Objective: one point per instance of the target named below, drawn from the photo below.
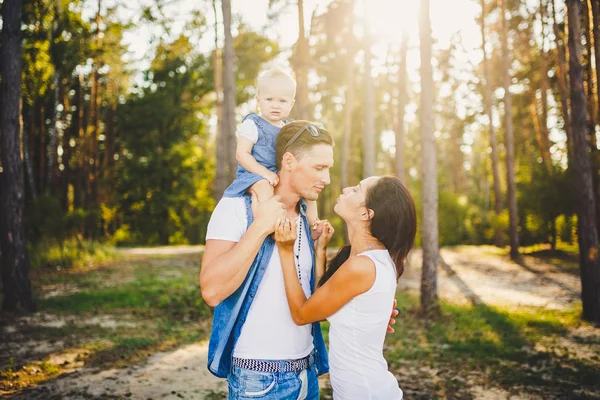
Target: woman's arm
(354, 277)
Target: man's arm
(225, 264)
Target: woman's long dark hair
(394, 223)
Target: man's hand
(266, 213)
(395, 312)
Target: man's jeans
(247, 384)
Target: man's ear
(288, 162)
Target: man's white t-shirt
(269, 332)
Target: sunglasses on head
(310, 128)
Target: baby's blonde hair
(274, 74)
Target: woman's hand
(285, 233)
(325, 237)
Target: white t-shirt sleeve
(228, 221)
(248, 130)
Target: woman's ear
(368, 214)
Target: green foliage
(47, 220)
(542, 200)
(72, 252)
(162, 185)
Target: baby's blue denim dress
(263, 152)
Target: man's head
(275, 95)
(304, 157)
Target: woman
(358, 289)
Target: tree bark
(402, 100)
(228, 95)
(302, 105)
(492, 130)
(429, 224)
(586, 212)
(509, 142)
(15, 264)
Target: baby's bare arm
(243, 154)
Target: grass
(156, 306)
(520, 350)
(517, 349)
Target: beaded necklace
(299, 248)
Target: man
(254, 342)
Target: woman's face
(351, 203)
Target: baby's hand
(272, 177)
(326, 232)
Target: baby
(256, 138)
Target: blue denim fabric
(263, 152)
(229, 316)
(244, 384)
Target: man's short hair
(303, 143)
(274, 74)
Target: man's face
(310, 174)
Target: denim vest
(263, 150)
(230, 315)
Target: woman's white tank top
(356, 335)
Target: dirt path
(471, 275)
(477, 274)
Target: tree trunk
(595, 6)
(369, 107)
(562, 80)
(586, 211)
(15, 265)
(540, 134)
(221, 173)
(51, 149)
(543, 116)
(589, 76)
(27, 124)
(52, 135)
(402, 100)
(78, 187)
(493, 139)
(509, 142)
(228, 95)
(348, 108)
(302, 105)
(429, 224)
